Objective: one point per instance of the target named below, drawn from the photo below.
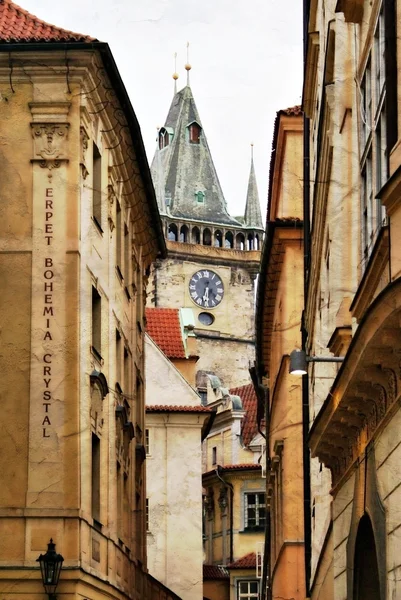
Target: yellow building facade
(234, 495)
(278, 332)
(79, 229)
(351, 101)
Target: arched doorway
(366, 570)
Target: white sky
(246, 58)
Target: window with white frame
(373, 138)
(247, 589)
(255, 510)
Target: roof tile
(245, 562)
(238, 467)
(163, 326)
(176, 408)
(215, 572)
(18, 25)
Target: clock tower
(213, 258)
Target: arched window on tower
(229, 241)
(164, 138)
(249, 242)
(194, 132)
(184, 231)
(240, 241)
(257, 245)
(207, 237)
(172, 235)
(218, 239)
(195, 236)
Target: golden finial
(188, 66)
(175, 74)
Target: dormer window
(194, 133)
(164, 138)
(200, 197)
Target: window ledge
(98, 226)
(257, 529)
(97, 354)
(97, 525)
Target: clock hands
(206, 294)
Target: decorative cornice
(366, 389)
(49, 112)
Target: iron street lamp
(50, 567)
(299, 361)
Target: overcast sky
(246, 58)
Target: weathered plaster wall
(164, 383)
(175, 552)
(174, 479)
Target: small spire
(188, 66)
(253, 216)
(175, 74)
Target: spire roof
(18, 25)
(253, 215)
(183, 171)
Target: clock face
(206, 289)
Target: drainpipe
(230, 487)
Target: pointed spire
(253, 215)
(188, 67)
(183, 171)
(175, 74)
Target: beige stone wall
(232, 334)
(51, 256)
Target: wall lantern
(50, 567)
(299, 361)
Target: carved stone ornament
(223, 501)
(209, 504)
(50, 141)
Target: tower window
(164, 138)
(200, 197)
(194, 133)
(172, 234)
(195, 236)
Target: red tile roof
(293, 111)
(245, 562)
(239, 467)
(214, 572)
(249, 403)
(163, 326)
(170, 408)
(18, 25)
